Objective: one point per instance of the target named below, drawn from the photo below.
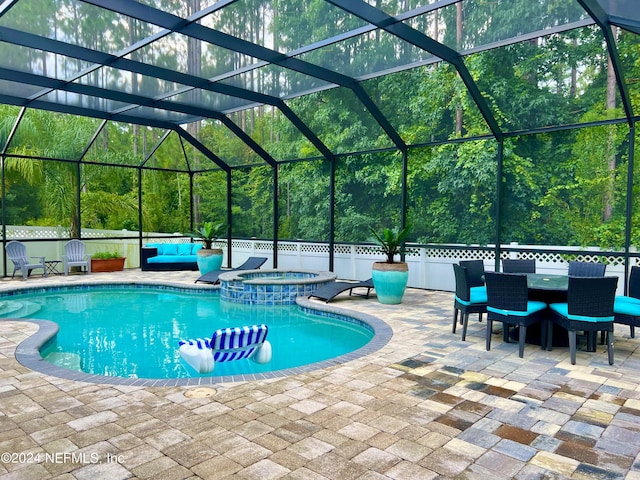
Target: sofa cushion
(184, 249)
(168, 249)
(173, 259)
(195, 248)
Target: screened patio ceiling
(170, 65)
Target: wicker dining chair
(475, 272)
(508, 302)
(586, 269)
(589, 308)
(467, 299)
(626, 308)
(518, 265)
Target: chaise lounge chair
(227, 344)
(252, 263)
(330, 290)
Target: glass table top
(544, 281)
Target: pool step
(65, 360)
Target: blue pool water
(134, 332)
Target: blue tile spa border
(28, 351)
(271, 287)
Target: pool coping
(28, 351)
(265, 279)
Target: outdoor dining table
(547, 288)
(552, 288)
(545, 281)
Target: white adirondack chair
(17, 253)
(75, 256)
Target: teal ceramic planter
(209, 260)
(390, 281)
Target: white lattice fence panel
(263, 246)
(34, 233)
(561, 260)
(367, 250)
(429, 266)
(242, 244)
(342, 249)
(317, 248)
(460, 254)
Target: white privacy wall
(429, 266)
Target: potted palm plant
(208, 258)
(390, 277)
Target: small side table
(52, 266)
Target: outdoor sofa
(170, 256)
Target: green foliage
(106, 254)
(566, 187)
(304, 201)
(391, 240)
(452, 188)
(252, 208)
(207, 233)
(579, 196)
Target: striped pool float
(237, 343)
(227, 344)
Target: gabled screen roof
(167, 64)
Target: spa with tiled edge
(271, 287)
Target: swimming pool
(133, 331)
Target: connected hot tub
(271, 287)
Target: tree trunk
(609, 197)
(194, 66)
(573, 89)
(459, 44)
